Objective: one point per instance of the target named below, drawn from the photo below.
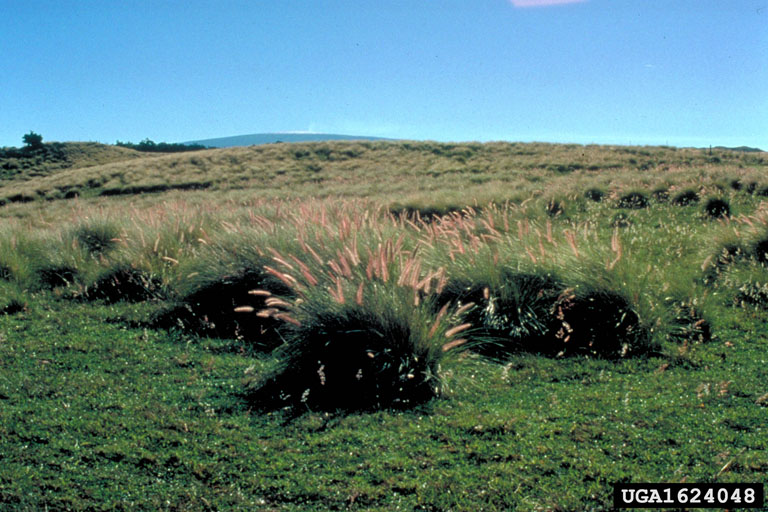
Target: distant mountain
(745, 149)
(270, 138)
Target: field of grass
(381, 326)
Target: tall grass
(361, 300)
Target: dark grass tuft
(209, 309)
(686, 197)
(600, 323)
(760, 250)
(717, 208)
(660, 194)
(56, 276)
(536, 313)
(427, 213)
(12, 306)
(633, 200)
(554, 208)
(594, 194)
(97, 238)
(736, 184)
(621, 220)
(728, 254)
(752, 294)
(507, 318)
(356, 359)
(6, 274)
(125, 283)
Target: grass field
(379, 326)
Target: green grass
(108, 402)
(99, 416)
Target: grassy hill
(30, 163)
(381, 326)
(417, 172)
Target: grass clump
(97, 238)
(12, 300)
(53, 275)
(686, 197)
(6, 274)
(717, 208)
(620, 220)
(634, 200)
(554, 208)
(661, 194)
(124, 282)
(206, 306)
(738, 266)
(510, 311)
(377, 355)
(360, 334)
(538, 313)
(595, 194)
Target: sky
(635, 72)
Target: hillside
(286, 337)
(22, 164)
(272, 138)
(451, 174)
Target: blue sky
(677, 72)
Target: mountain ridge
(275, 137)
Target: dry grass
(417, 173)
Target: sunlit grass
(374, 326)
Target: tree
(33, 140)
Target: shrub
(736, 184)
(33, 140)
(686, 197)
(717, 208)
(633, 200)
